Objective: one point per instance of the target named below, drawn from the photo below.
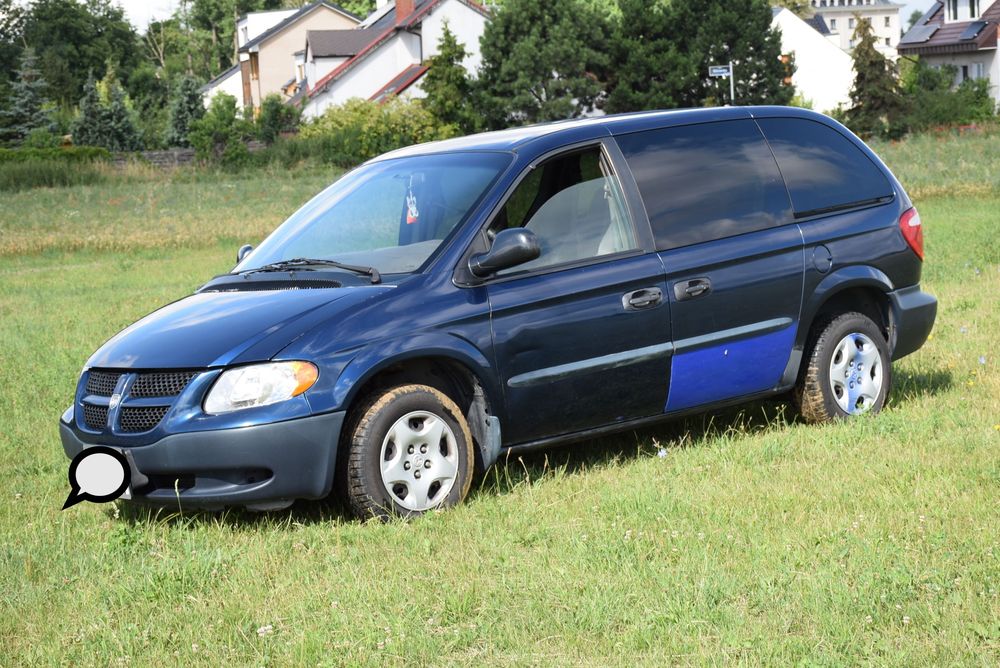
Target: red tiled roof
(400, 82)
(407, 23)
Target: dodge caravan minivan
(448, 302)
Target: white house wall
(232, 85)
(370, 75)
(988, 58)
(257, 23)
(467, 25)
(824, 73)
(318, 68)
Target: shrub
(186, 107)
(220, 136)
(935, 101)
(41, 138)
(40, 173)
(67, 155)
(359, 130)
(276, 117)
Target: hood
(212, 329)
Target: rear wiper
(306, 263)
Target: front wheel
(848, 371)
(410, 452)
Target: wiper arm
(306, 263)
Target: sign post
(725, 71)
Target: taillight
(913, 231)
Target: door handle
(696, 287)
(640, 299)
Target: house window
(833, 24)
(965, 72)
(850, 23)
(973, 9)
(978, 71)
(851, 44)
(888, 22)
(888, 42)
(952, 10)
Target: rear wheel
(848, 371)
(410, 452)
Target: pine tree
(122, 134)
(542, 61)
(876, 103)
(448, 86)
(89, 126)
(26, 110)
(650, 71)
(186, 106)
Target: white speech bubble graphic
(99, 474)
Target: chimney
(404, 8)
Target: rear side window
(824, 170)
(704, 182)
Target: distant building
(824, 73)
(267, 45)
(841, 18)
(387, 53)
(960, 33)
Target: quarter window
(824, 170)
(574, 205)
(703, 182)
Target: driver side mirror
(244, 250)
(511, 247)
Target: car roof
(582, 129)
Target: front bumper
(267, 465)
(913, 314)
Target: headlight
(259, 385)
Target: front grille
(135, 420)
(102, 383)
(166, 384)
(95, 417)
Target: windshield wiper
(305, 263)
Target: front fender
(376, 357)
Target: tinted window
(823, 169)
(703, 182)
(575, 207)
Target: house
(841, 18)
(824, 73)
(387, 53)
(268, 45)
(960, 33)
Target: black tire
(366, 494)
(814, 393)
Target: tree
(541, 61)
(105, 122)
(186, 106)
(26, 110)
(915, 16)
(121, 131)
(74, 38)
(876, 104)
(650, 72)
(88, 127)
(716, 32)
(801, 8)
(275, 117)
(448, 87)
(11, 44)
(220, 135)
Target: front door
(582, 333)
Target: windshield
(390, 215)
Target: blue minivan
(444, 303)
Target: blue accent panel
(729, 369)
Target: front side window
(390, 215)
(574, 205)
(707, 181)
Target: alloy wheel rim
(419, 461)
(856, 373)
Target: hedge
(70, 154)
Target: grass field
(741, 538)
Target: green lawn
(742, 537)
